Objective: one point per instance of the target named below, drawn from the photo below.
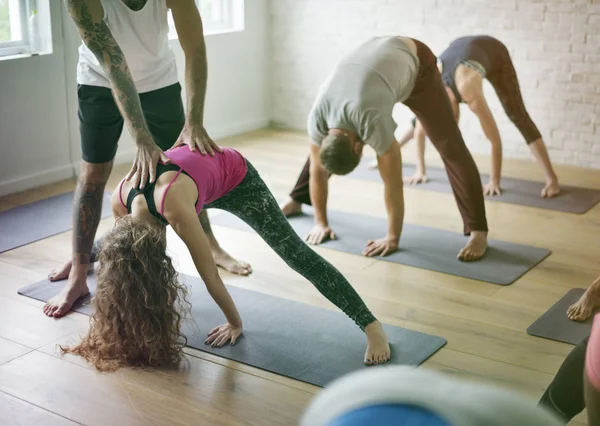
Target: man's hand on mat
(492, 188)
(144, 165)
(222, 334)
(551, 189)
(475, 248)
(319, 234)
(381, 247)
(416, 178)
(196, 137)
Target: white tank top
(144, 39)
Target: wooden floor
(483, 323)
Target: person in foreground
(577, 383)
(354, 108)
(409, 396)
(464, 65)
(127, 75)
(135, 321)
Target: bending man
(354, 108)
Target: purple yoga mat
(42, 219)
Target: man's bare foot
(291, 207)
(551, 189)
(378, 348)
(584, 307)
(416, 178)
(63, 273)
(61, 304)
(225, 261)
(475, 248)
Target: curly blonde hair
(139, 303)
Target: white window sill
(23, 55)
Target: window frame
(227, 25)
(17, 47)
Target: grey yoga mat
(555, 325)
(296, 340)
(420, 246)
(515, 191)
(32, 222)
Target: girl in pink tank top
(135, 267)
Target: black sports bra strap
(148, 191)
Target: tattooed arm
(191, 36)
(88, 16)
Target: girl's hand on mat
(382, 247)
(492, 188)
(144, 165)
(196, 137)
(222, 334)
(319, 234)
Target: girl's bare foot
(475, 248)
(291, 207)
(584, 307)
(225, 261)
(378, 348)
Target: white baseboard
(35, 180)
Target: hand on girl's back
(222, 334)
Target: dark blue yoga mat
(420, 246)
(293, 339)
(42, 219)
(515, 191)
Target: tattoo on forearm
(87, 209)
(205, 222)
(99, 39)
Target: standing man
(354, 108)
(464, 65)
(127, 73)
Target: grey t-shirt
(361, 92)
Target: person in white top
(127, 74)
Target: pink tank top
(592, 358)
(214, 176)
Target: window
(218, 16)
(23, 28)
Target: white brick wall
(555, 45)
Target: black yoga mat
(515, 191)
(296, 340)
(555, 325)
(42, 219)
(420, 246)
